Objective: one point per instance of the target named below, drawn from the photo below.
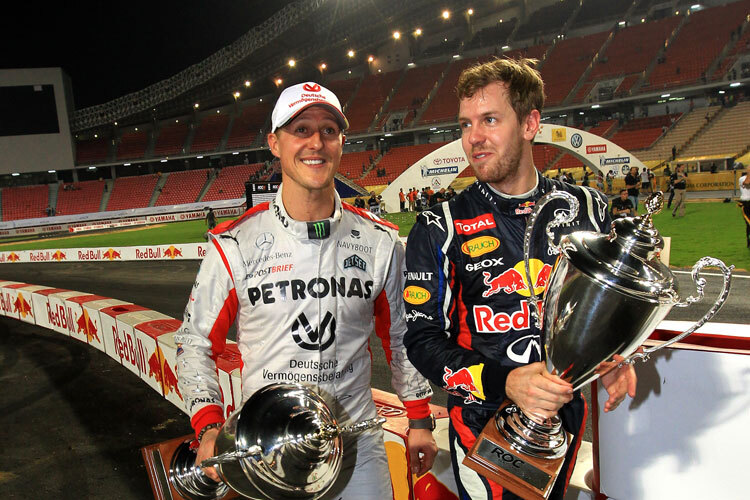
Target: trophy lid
(627, 258)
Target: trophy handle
(326, 433)
(700, 283)
(561, 217)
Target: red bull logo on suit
(514, 279)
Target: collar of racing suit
(516, 207)
(317, 230)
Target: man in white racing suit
(307, 279)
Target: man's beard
(503, 168)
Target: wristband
(206, 428)
(423, 423)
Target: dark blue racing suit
(467, 313)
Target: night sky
(109, 49)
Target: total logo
(471, 226)
(466, 379)
(514, 279)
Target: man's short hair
(623, 191)
(524, 83)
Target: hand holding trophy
(283, 443)
(605, 296)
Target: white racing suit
(305, 296)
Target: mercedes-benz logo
(264, 241)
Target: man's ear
(531, 124)
(273, 144)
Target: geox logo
(355, 261)
(318, 230)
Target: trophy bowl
(605, 295)
(283, 443)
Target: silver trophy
(605, 295)
(283, 443)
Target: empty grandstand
(648, 75)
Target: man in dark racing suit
(470, 330)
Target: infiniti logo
(525, 357)
(264, 241)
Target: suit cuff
(418, 408)
(209, 415)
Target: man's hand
(206, 451)
(617, 381)
(422, 450)
(536, 391)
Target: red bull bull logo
(87, 327)
(22, 307)
(158, 367)
(525, 208)
(513, 280)
(466, 379)
(111, 254)
(58, 256)
(13, 257)
(173, 252)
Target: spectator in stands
(210, 218)
(586, 175)
(680, 186)
(609, 177)
(633, 184)
(622, 206)
(674, 153)
(713, 168)
(381, 205)
(745, 202)
(359, 202)
(372, 201)
(646, 180)
(600, 181)
(402, 200)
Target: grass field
(715, 229)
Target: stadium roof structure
(310, 30)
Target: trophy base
(496, 458)
(158, 458)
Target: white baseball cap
(293, 100)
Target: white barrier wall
(185, 251)
(142, 340)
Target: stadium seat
(368, 100)
(396, 160)
(182, 187)
(132, 192)
(92, 150)
(171, 139)
(209, 132)
(79, 197)
(248, 125)
(132, 145)
(229, 182)
(25, 202)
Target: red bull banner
(157, 375)
(177, 251)
(130, 348)
(89, 322)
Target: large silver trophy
(605, 295)
(283, 443)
